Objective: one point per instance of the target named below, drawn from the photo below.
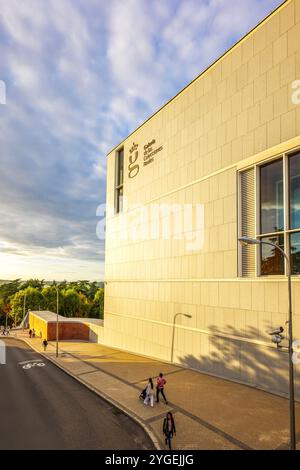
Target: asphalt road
(44, 408)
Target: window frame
(119, 182)
(287, 231)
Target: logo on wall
(150, 151)
(133, 167)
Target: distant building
(223, 157)
(44, 323)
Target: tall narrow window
(294, 175)
(295, 252)
(272, 261)
(271, 217)
(294, 199)
(119, 174)
(271, 197)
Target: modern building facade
(219, 160)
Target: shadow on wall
(93, 337)
(253, 364)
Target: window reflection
(272, 261)
(119, 202)
(119, 180)
(295, 253)
(271, 197)
(120, 167)
(294, 167)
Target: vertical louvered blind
(247, 198)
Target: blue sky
(80, 75)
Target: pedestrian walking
(169, 429)
(149, 393)
(33, 332)
(160, 383)
(30, 333)
(45, 344)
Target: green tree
(79, 298)
(36, 283)
(9, 288)
(2, 311)
(49, 294)
(71, 303)
(85, 287)
(6, 313)
(93, 287)
(34, 301)
(85, 306)
(98, 303)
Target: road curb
(97, 392)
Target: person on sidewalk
(45, 344)
(30, 333)
(169, 429)
(33, 333)
(160, 383)
(149, 392)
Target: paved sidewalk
(210, 413)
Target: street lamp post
(57, 296)
(255, 241)
(57, 309)
(173, 334)
(24, 308)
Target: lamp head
(184, 314)
(248, 241)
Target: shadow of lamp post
(173, 334)
(255, 241)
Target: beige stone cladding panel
(202, 245)
(118, 333)
(250, 307)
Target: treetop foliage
(75, 299)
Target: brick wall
(68, 330)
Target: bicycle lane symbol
(32, 363)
